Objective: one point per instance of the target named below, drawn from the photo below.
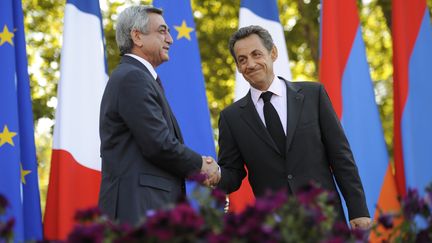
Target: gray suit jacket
(144, 160)
(316, 150)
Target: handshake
(211, 170)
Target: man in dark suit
(144, 160)
(286, 134)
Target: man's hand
(363, 223)
(211, 169)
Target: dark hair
(244, 32)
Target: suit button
(290, 177)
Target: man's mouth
(251, 72)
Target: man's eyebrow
(164, 27)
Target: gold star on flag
(6, 136)
(183, 31)
(6, 36)
(23, 174)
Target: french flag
(75, 165)
(412, 55)
(344, 71)
(265, 14)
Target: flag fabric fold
(344, 71)
(412, 52)
(18, 165)
(183, 80)
(75, 164)
(265, 14)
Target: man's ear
(274, 53)
(136, 37)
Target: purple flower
(386, 220)
(360, 234)
(88, 233)
(250, 226)
(219, 196)
(158, 225)
(334, 239)
(137, 234)
(198, 177)
(341, 228)
(315, 216)
(424, 236)
(218, 238)
(4, 203)
(6, 229)
(412, 204)
(309, 194)
(88, 215)
(119, 229)
(177, 222)
(269, 202)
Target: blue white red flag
(75, 165)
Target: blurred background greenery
(215, 21)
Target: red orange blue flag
(412, 55)
(344, 71)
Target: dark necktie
(159, 82)
(273, 122)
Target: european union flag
(183, 79)
(18, 167)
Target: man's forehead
(248, 45)
(156, 20)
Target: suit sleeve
(341, 158)
(230, 160)
(143, 114)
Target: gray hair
(132, 18)
(244, 32)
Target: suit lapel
(294, 109)
(252, 119)
(168, 114)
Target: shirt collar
(275, 87)
(146, 64)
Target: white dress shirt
(146, 64)
(278, 100)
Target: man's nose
(250, 63)
(169, 38)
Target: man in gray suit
(286, 133)
(144, 160)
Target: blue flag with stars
(183, 79)
(18, 166)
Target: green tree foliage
(43, 26)
(300, 20)
(215, 22)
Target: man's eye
(163, 31)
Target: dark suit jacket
(316, 148)
(144, 161)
